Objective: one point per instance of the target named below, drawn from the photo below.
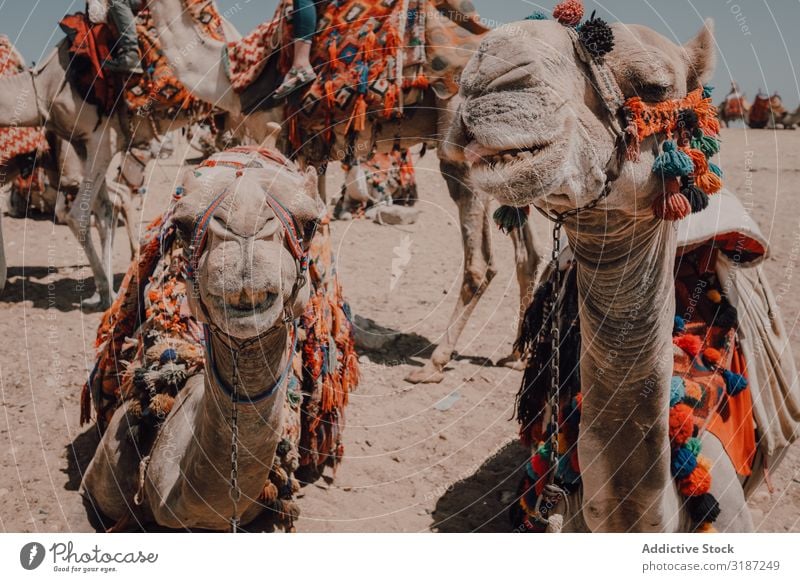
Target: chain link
(555, 358)
(235, 492)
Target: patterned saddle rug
(26, 142)
(157, 92)
(148, 345)
(359, 58)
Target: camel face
(246, 279)
(534, 126)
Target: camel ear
(701, 53)
(273, 131)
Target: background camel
(47, 97)
(247, 290)
(203, 72)
(624, 255)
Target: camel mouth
(483, 157)
(243, 308)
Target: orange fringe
(330, 97)
(653, 118)
(358, 120)
(389, 101)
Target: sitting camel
(556, 99)
(241, 228)
(456, 31)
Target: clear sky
(758, 40)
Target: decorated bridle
(293, 238)
(690, 128)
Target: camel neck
(260, 364)
(625, 283)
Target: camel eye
(653, 92)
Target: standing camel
(46, 96)
(203, 71)
(572, 159)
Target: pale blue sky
(759, 41)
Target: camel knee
(477, 280)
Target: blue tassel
(683, 463)
(679, 325)
(677, 391)
(707, 91)
(168, 355)
(734, 383)
(715, 168)
(538, 15)
(672, 162)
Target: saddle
(157, 92)
(759, 112)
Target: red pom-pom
(681, 424)
(712, 356)
(671, 207)
(539, 465)
(689, 343)
(569, 12)
(697, 483)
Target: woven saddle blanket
(16, 141)
(156, 92)
(370, 57)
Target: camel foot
(96, 303)
(428, 374)
(513, 362)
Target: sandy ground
(418, 458)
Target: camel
(45, 97)
(203, 72)
(249, 286)
(546, 108)
(734, 108)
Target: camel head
(535, 127)
(245, 275)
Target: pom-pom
(569, 12)
(681, 423)
(708, 182)
(672, 162)
(683, 463)
(704, 462)
(678, 325)
(714, 296)
(726, 316)
(687, 120)
(697, 483)
(539, 465)
(698, 199)
(706, 527)
(694, 445)
(690, 344)
(734, 383)
(712, 356)
(596, 36)
(703, 508)
(671, 206)
(168, 355)
(538, 15)
(508, 218)
(715, 168)
(707, 91)
(706, 144)
(676, 390)
(693, 393)
(161, 404)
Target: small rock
(367, 442)
(395, 458)
(396, 215)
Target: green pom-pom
(694, 445)
(508, 218)
(715, 168)
(538, 15)
(706, 144)
(672, 162)
(707, 91)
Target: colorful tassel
(734, 383)
(683, 463)
(706, 144)
(538, 15)
(672, 162)
(677, 390)
(508, 218)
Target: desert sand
(418, 458)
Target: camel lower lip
(238, 311)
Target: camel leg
(528, 253)
(79, 221)
(112, 477)
(106, 221)
(3, 266)
(122, 207)
(479, 270)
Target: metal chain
(555, 357)
(235, 492)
